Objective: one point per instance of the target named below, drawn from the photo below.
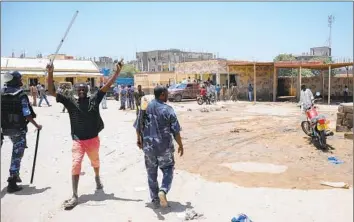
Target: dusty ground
(265, 133)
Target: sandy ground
(265, 133)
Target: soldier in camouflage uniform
(156, 127)
(16, 113)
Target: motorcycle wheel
(322, 139)
(200, 101)
(306, 127)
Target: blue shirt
(24, 102)
(218, 88)
(160, 127)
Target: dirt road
(265, 133)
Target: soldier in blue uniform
(16, 113)
(156, 128)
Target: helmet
(13, 79)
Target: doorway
(69, 79)
(33, 81)
(281, 88)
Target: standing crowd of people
(128, 97)
(211, 92)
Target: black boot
(18, 179)
(12, 186)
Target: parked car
(181, 91)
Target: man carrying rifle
(86, 123)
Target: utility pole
(330, 22)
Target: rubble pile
(344, 117)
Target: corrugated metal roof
(41, 63)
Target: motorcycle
(316, 125)
(201, 100)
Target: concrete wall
(315, 84)
(264, 80)
(149, 81)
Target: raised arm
(50, 70)
(113, 78)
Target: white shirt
(306, 98)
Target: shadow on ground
(315, 143)
(27, 190)
(102, 196)
(174, 207)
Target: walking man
(43, 95)
(86, 123)
(155, 127)
(16, 113)
(137, 96)
(34, 94)
(234, 92)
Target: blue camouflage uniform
(160, 125)
(123, 98)
(18, 137)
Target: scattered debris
(204, 110)
(336, 184)
(335, 160)
(189, 215)
(110, 152)
(189, 110)
(241, 218)
(289, 130)
(238, 130)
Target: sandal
(71, 203)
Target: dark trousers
(345, 97)
(166, 163)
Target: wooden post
(323, 81)
(228, 77)
(329, 84)
(275, 84)
(299, 83)
(254, 83)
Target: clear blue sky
(235, 30)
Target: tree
(289, 71)
(128, 71)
